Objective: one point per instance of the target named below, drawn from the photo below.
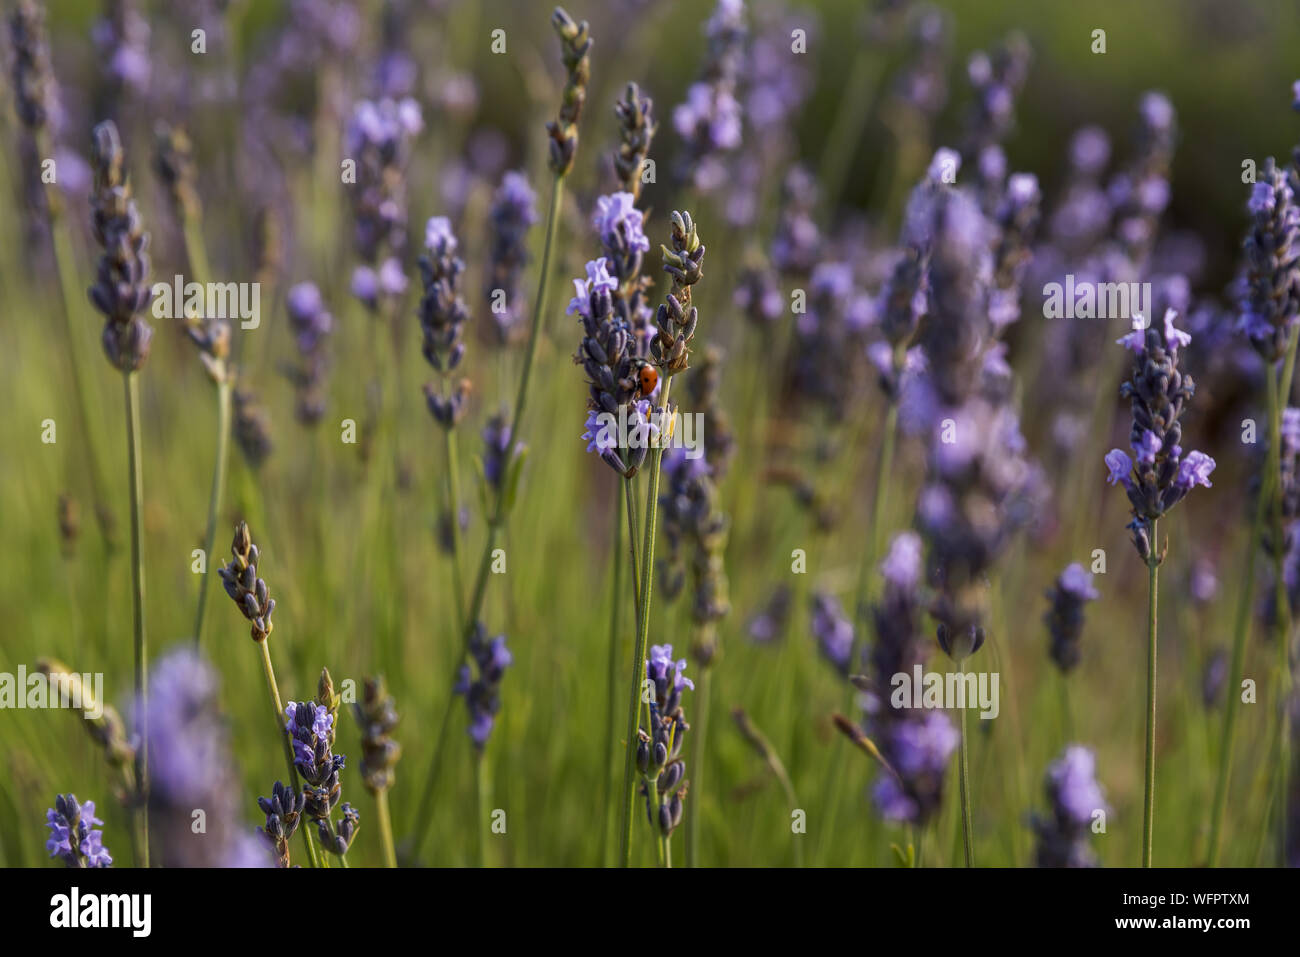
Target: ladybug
(648, 380)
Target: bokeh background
(351, 551)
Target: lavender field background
(808, 141)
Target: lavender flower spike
(658, 752)
(1073, 590)
(377, 717)
(1159, 476)
(833, 631)
(283, 811)
(1074, 797)
(575, 47)
(33, 77)
(637, 127)
(192, 767)
(483, 694)
(443, 315)
(312, 324)
(513, 212)
(73, 835)
(1270, 301)
(249, 593)
(676, 318)
(121, 291)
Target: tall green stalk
(480, 811)
(131, 386)
(1282, 632)
(700, 730)
(69, 293)
(875, 537)
(385, 827)
(1279, 394)
(634, 710)
(967, 828)
(500, 507)
(214, 499)
(453, 509)
(611, 669)
(1149, 794)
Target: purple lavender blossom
(311, 323)
(512, 214)
(598, 280)
(1159, 476)
(1214, 678)
(377, 140)
(283, 810)
(496, 450)
(443, 315)
(658, 752)
(769, 623)
(121, 291)
(919, 751)
(618, 221)
(1074, 797)
(1064, 618)
(310, 727)
(191, 767)
(73, 835)
(710, 120)
(665, 673)
(796, 242)
(833, 631)
(1270, 299)
(483, 693)
(121, 38)
(901, 567)
(759, 297)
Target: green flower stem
(642, 633)
(498, 516)
(480, 812)
(967, 830)
(1279, 394)
(1283, 634)
(273, 690)
(131, 385)
(633, 534)
(539, 318)
(385, 828)
(453, 508)
(611, 669)
(1149, 797)
(196, 251)
(64, 265)
(1241, 628)
(420, 826)
(875, 538)
(700, 729)
(214, 499)
(863, 597)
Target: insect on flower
(647, 380)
